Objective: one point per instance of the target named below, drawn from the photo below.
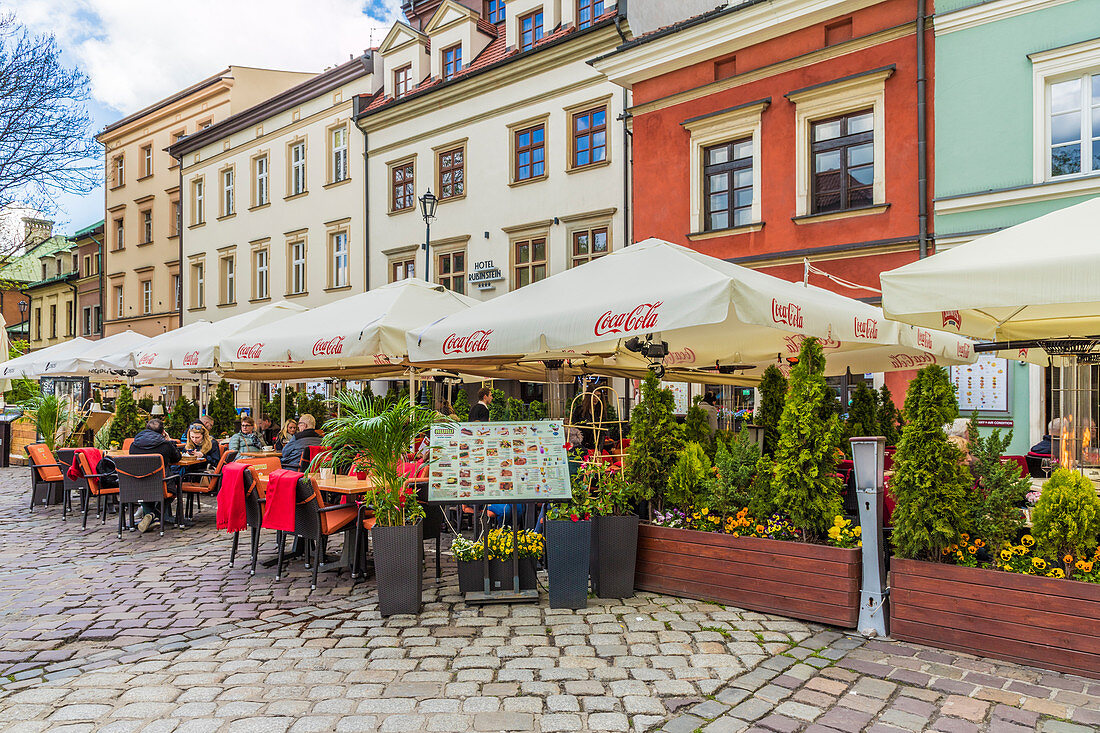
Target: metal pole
(868, 456)
(282, 404)
(427, 250)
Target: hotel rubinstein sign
(484, 275)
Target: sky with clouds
(139, 51)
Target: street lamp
(427, 209)
(24, 306)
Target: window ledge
(296, 196)
(845, 214)
(334, 184)
(144, 244)
(589, 166)
(528, 181)
(459, 197)
(398, 212)
(173, 236)
(194, 308)
(145, 177)
(227, 305)
(730, 232)
(338, 288)
(259, 300)
(196, 226)
(115, 188)
(226, 216)
(297, 295)
(257, 207)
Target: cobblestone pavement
(159, 634)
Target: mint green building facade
(1017, 135)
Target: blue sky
(138, 51)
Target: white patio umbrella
(1035, 280)
(86, 363)
(711, 313)
(34, 364)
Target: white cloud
(139, 51)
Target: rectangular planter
(471, 576)
(399, 568)
(811, 582)
(1044, 622)
(568, 545)
(614, 555)
(502, 574)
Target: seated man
(154, 440)
(295, 450)
(1045, 446)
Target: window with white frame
(296, 260)
(118, 301)
(297, 168)
(229, 280)
(147, 160)
(120, 171)
(177, 292)
(261, 288)
(338, 252)
(86, 312)
(260, 184)
(228, 195)
(1066, 84)
(120, 233)
(147, 226)
(198, 198)
(198, 285)
(146, 296)
(338, 141)
(725, 182)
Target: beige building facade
(274, 199)
(141, 260)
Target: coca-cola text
(329, 347)
(787, 313)
(642, 318)
(866, 329)
(246, 351)
(191, 358)
(911, 361)
(474, 342)
(924, 339)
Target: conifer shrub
(689, 479)
(1001, 488)
(223, 410)
(773, 390)
(184, 412)
(734, 463)
(655, 440)
(1066, 519)
(889, 420)
(127, 422)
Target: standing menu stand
(503, 595)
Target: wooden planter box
(811, 582)
(1044, 622)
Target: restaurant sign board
(484, 275)
(499, 462)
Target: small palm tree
(53, 418)
(378, 435)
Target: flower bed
(806, 581)
(1041, 621)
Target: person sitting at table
(154, 440)
(298, 449)
(266, 430)
(200, 445)
(207, 422)
(246, 441)
(290, 429)
(1045, 446)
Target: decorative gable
(455, 25)
(404, 48)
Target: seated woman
(290, 429)
(200, 445)
(246, 441)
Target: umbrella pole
(282, 404)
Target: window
(69, 318)
(177, 292)
(53, 321)
(297, 260)
(339, 141)
(727, 185)
(530, 153)
(176, 215)
(205, 124)
(87, 266)
(228, 197)
(402, 269)
(402, 81)
(45, 270)
(260, 183)
(87, 316)
(843, 162)
(120, 234)
(529, 261)
(297, 168)
(97, 319)
(118, 301)
(494, 10)
(147, 226)
(198, 285)
(452, 174)
(338, 253)
(589, 137)
(530, 30)
(229, 280)
(1074, 106)
(199, 196)
(261, 282)
(402, 181)
(146, 296)
(588, 244)
(147, 161)
(451, 270)
(38, 324)
(588, 11)
(120, 171)
(452, 61)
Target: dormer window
(402, 81)
(588, 11)
(530, 30)
(452, 61)
(494, 11)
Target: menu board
(681, 395)
(982, 385)
(499, 462)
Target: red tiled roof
(497, 51)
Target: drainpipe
(179, 228)
(922, 136)
(366, 198)
(627, 138)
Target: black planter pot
(399, 568)
(614, 553)
(501, 572)
(471, 575)
(568, 547)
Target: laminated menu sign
(499, 462)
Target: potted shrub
(568, 549)
(379, 435)
(469, 556)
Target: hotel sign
(484, 275)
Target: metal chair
(94, 486)
(47, 475)
(204, 483)
(254, 503)
(142, 479)
(66, 456)
(315, 522)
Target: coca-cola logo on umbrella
(963, 349)
(250, 351)
(924, 339)
(682, 356)
(641, 318)
(911, 361)
(953, 318)
(474, 342)
(866, 329)
(329, 347)
(787, 313)
(147, 359)
(191, 358)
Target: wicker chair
(254, 503)
(65, 457)
(204, 483)
(315, 522)
(142, 479)
(47, 475)
(93, 486)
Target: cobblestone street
(159, 634)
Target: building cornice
(1018, 195)
(988, 12)
(161, 108)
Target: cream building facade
(521, 140)
(274, 199)
(142, 252)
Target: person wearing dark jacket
(298, 449)
(154, 441)
(480, 411)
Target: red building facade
(771, 132)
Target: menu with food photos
(983, 385)
(499, 462)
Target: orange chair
(47, 477)
(126, 444)
(93, 486)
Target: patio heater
(556, 389)
(1076, 392)
(868, 458)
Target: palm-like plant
(378, 434)
(53, 418)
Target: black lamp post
(24, 306)
(427, 209)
